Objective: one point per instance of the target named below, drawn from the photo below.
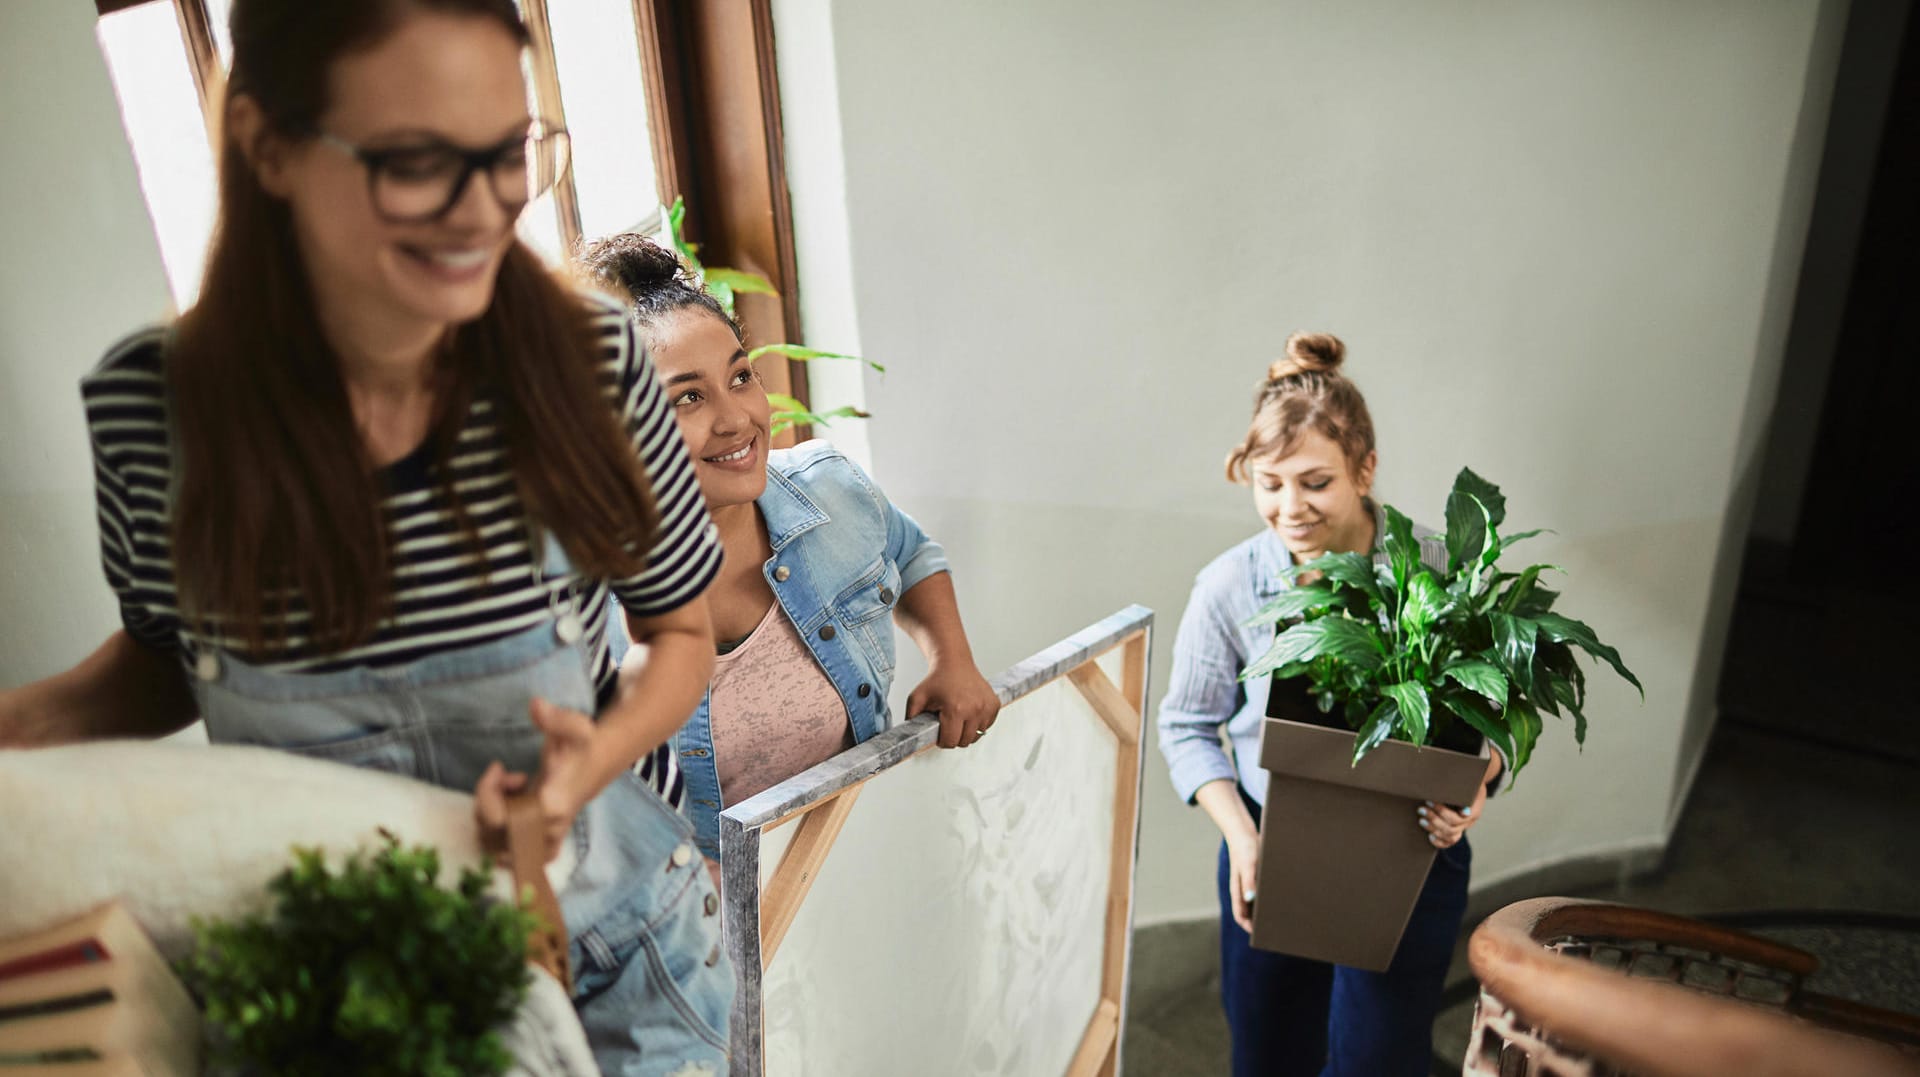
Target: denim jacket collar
(787, 509)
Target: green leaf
(1403, 550)
(1477, 676)
(1482, 716)
(1349, 641)
(1426, 601)
(722, 294)
(1352, 570)
(1467, 530)
(1484, 492)
(1523, 586)
(1566, 629)
(738, 280)
(783, 402)
(1525, 723)
(1513, 647)
(804, 355)
(1411, 700)
(1375, 730)
(1291, 603)
(1538, 601)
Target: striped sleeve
(125, 423)
(686, 549)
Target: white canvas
(957, 926)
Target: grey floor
(1809, 844)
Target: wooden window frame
(713, 115)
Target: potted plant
(1390, 676)
(373, 968)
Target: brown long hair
(1305, 390)
(277, 496)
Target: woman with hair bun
(1309, 456)
(819, 565)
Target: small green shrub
(1401, 650)
(373, 969)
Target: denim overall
(653, 984)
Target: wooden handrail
(1651, 1027)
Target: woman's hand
(1243, 869)
(1445, 826)
(961, 697)
(569, 777)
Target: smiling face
(451, 79)
(1314, 498)
(718, 401)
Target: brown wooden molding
(108, 7)
(714, 93)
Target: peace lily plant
(1401, 650)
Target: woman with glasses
(365, 501)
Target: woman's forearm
(122, 689)
(658, 694)
(930, 614)
(1220, 799)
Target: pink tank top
(773, 710)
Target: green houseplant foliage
(1400, 650)
(372, 969)
(723, 284)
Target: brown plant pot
(1342, 857)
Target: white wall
(80, 269)
(1548, 232)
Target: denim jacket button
(866, 690)
(207, 666)
(780, 574)
(886, 596)
(682, 855)
(568, 628)
(826, 631)
(712, 904)
(713, 958)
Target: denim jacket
(842, 557)
(1212, 646)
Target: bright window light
(161, 109)
(598, 57)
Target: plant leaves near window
(1401, 648)
(795, 351)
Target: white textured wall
(1548, 232)
(80, 268)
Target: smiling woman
(367, 498)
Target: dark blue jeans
(1292, 1017)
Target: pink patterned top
(774, 712)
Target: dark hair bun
(636, 263)
(1308, 353)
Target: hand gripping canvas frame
(821, 800)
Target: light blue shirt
(842, 557)
(1204, 692)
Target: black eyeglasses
(421, 181)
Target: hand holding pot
(1444, 825)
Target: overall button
(695, 753)
(826, 631)
(682, 855)
(568, 628)
(207, 666)
(866, 690)
(780, 574)
(713, 904)
(886, 596)
(714, 957)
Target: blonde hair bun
(1309, 353)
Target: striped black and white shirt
(443, 598)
